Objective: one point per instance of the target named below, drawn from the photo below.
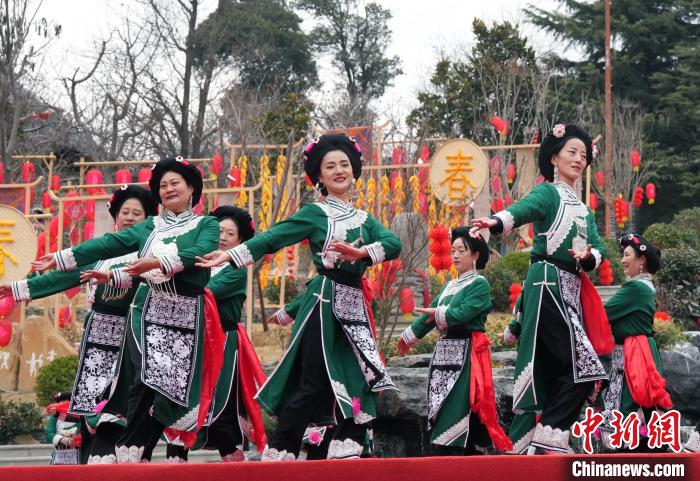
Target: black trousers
(105, 439)
(554, 364)
(313, 396)
(142, 429)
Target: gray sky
(420, 29)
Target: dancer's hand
(583, 255)
(482, 223)
(139, 266)
(44, 262)
(213, 259)
(430, 311)
(348, 252)
(101, 277)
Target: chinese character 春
(457, 178)
(5, 238)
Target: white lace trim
(440, 321)
(453, 287)
(218, 269)
(235, 457)
(409, 337)
(170, 227)
(551, 438)
(283, 319)
(453, 432)
(571, 210)
(171, 261)
(241, 256)
(342, 217)
(65, 260)
(646, 280)
(506, 219)
(187, 421)
(522, 382)
(376, 252)
(120, 279)
(521, 445)
(693, 443)
(272, 454)
(344, 449)
(106, 459)
(175, 460)
(128, 454)
(598, 257)
(20, 291)
(363, 417)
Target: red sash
(646, 385)
(251, 378)
(594, 318)
(482, 396)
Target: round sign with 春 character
(18, 245)
(458, 171)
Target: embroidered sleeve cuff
(376, 252)
(284, 319)
(121, 279)
(65, 260)
(509, 337)
(440, 320)
(171, 263)
(20, 291)
(240, 256)
(409, 337)
(506, 220)
(56, 439)
(598, 257)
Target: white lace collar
(171, 217)
(645, 278)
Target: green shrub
(688, 219)
(500, 277)
(58, 375)
(18, 418)
(667, 333)
(495, 325)
(678, 285)
(518, 262)
(671, 236)
(291, 290)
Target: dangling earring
(116, 227)
(556, 173)
(641, 269)
(189, 204)
(319, 186)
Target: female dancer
(165, 336)
(556, 364)
(636, 380)
(460, 369)
(101, 347)
(331, 370)
(234, 416)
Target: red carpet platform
(480, 468)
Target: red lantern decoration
(65, 316)
(510, 173)
(217, 164)
(90, 210)
(651, 192)
(5, 332)
(439, 231)
(495, 165)
(515, 289)
(2, 173)
(46, 200)
(407, 302)
(501, 126)
(600, 179)
(606, 274)
(593, 201)
(635, 160)
(397, 155)
(425, 154)
(638, 196)
(122, 176)
(445, 262)
(496, 184)
(55, 182)
(74, 209)
(28, 172)
(94, 177)
(618, 211)
(234, 178)
(509, 200)
(497, 204)
(144, 175)
(625, 211)
(440, 247)
(7, 304)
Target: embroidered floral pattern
(613, 395)
(570, 208)
(521, 445)
(348, 303)
(235, 457)
(693, 443)
(161, 309)
(168, 361)
(241, 256)
(187, 421)
(376, 252)
(128, 454)
(106, 329)
(445, 367)
(344, 449)
(272, 454)
(106, 459)
(94, 376)
(65, 260)
(453, 432)
(342, 217)
(522, 382)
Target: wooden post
(608, 120)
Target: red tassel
(482, 396)
(594, 318)
(646, 385)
